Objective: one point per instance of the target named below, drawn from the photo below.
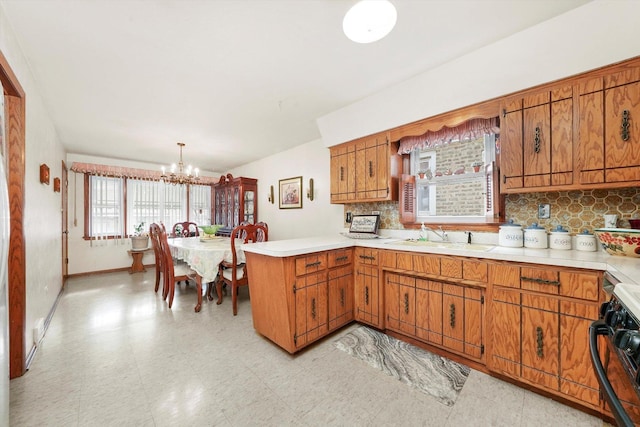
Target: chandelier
(178, 174)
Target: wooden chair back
(171, 272)
(234, 274)
(154, 234)
(185, 229)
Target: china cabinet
(235, 201)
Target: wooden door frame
(14, 97)
(65, 221)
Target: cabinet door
(340, 296)
(540, 326)
(536, 146)
(392, 301)
(577, 377)
(590, 141)
(505, 333)
(562, 136)
(473, 322)
(622, 133)
(311, 308)
(511, 162)
(429, 311)
(343, 173)
(367, 295)
(453, 317)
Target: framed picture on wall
(291, 193)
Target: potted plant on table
(140, 239)
(476, 166)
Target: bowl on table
(209, 231)
(619, 241)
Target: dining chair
(172, 271)
(185, 229)
(154, 235)
(234, 274)
(261, 235)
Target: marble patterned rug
(434, 375)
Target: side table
(137, 266)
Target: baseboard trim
(47, 321)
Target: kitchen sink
(444, 245)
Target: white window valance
(471, 129)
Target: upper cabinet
(609, 127)
(536, 140)
(365, 170)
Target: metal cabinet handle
(313, 264)
(540, 342)
(367, 257)
(341, 173)
(541, 281)
(452, 315)
(370, 168)
(366, 295)
(313, 308)
(342, 258)
(624, 129)
(536, 140)
(341, 297)
(406, 303)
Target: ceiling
(234, 80)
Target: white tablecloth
(204, 256)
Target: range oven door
(617, 389)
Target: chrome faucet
(441, 233)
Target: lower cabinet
(542, 339)
(311, 311)
(368, 301)
(443, 314)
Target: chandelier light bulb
(369, 20)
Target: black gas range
(617, 362)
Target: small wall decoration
(56, 185)
(44, 174)
(291, 193)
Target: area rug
(434, 375)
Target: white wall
(317, 217)
(42, 209)
(597, 34)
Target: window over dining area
(113, 206)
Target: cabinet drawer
(429, 264)
(367, 256)
(580, 285)
(340, 257)
(311, 263)
(451, 267)
(540, 280)
(475, 270)
(505, 275)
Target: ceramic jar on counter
(535, 237)
(586, 241)
(510, 235)
(559, 238)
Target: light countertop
(626, 269)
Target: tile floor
(115, 355)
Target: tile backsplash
(575, 210)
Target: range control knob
(615, 318)
(628, 341)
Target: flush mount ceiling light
(369, 20)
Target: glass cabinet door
(249, 198)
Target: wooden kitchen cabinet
(368, 297)
(235, 201)
(537, 139)
(609, 127)
(299, 299)
(365, 170)
(538, 322)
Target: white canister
(586, 241)
(510, 235)
(535, 237)
(559, 238)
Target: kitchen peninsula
(475, 303)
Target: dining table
(203, 255)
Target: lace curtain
(470, 129)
